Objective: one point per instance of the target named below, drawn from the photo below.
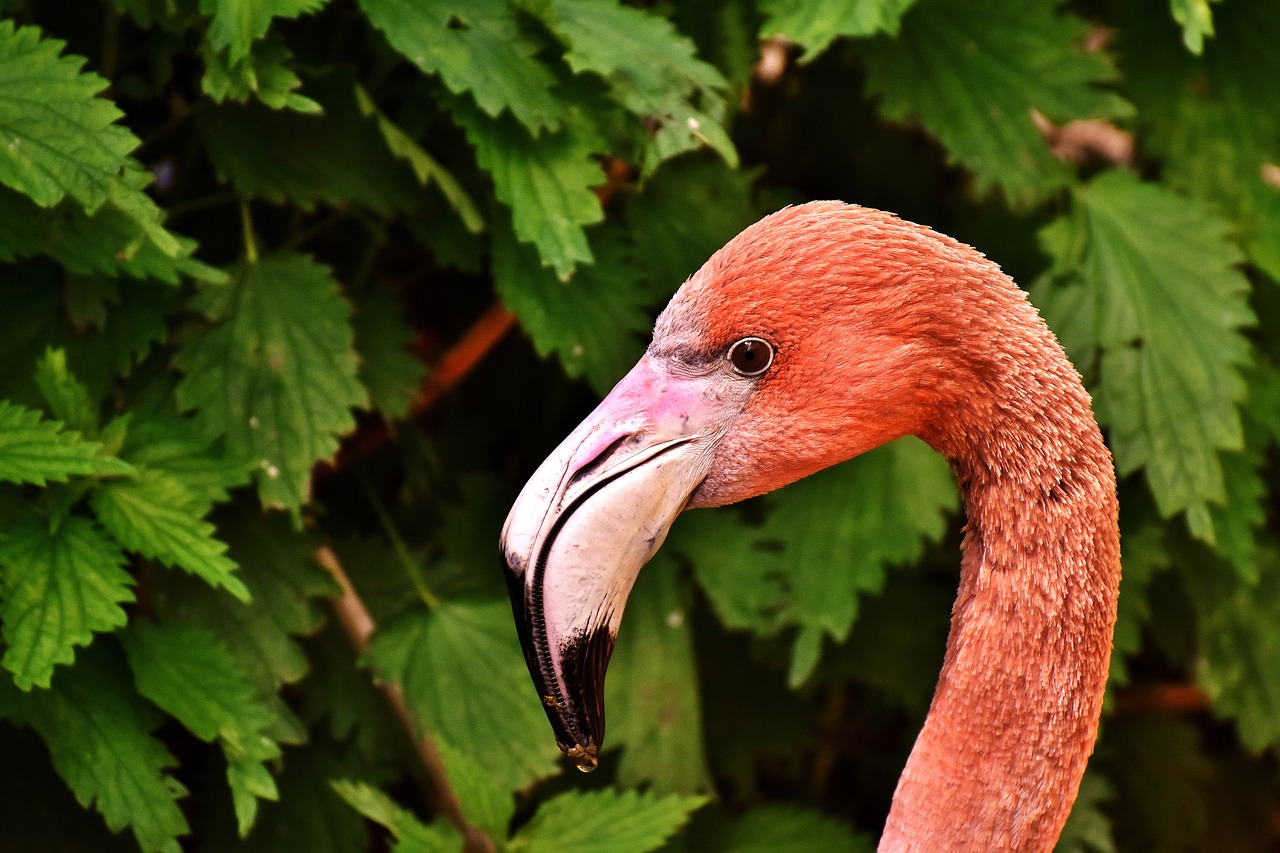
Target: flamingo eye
(751, 356)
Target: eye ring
(750, 356)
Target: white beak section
(591, 516)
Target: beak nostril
(594, 464)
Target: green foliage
(243, 243)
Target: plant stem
(246, 224)
(358, 625)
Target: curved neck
(998, 762)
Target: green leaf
(173, 445)
(465, 680)
(1088, 827)
(410, 833)
(67, 398)
(814, 26)
(1145, 551)
(891, 502)
(1162, 776)
(1196, 19)
(276, 567)
(652, 692)
(56, 137)
(156, 516)
(1165, 306)
(188, 673)
(1239, 626)
(652, 70)
(972, 72)
(276, 373)
(444, 38)
(236, 24)
(487, 805)
(605, 822)
(97, 731)
(61, 584)
(545, 180)
(388, 368)
(594, 322)
(263, 73)
(425, 167)
(281, 155)
(37, 451)
(776, 829)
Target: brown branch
(1161, 699)
(358, 625)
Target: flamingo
(818, 333)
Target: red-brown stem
(462, 357)
(358, 625)
(1161, 698)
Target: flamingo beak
(591, 516)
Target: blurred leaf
(60, 584)
(443, 37)
(276, 373)
(814, 26)
(486, 804)
(67, 398)
(465, 680)
(1088, 828)
(652, 692)
(1161, 777)
(97, 732)
(33, 450)
(592, 322)
(391, 372)
(546, 181)
(605, 822)
(1144, 552)
(777, 829)
(156, 516)
(1196, 19)
(972, 72)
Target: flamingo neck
(999, 760)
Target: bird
(824, 330)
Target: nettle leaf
(57, 138)
(1239, 629)
(814, 26)
(108, 241)
(263, 73)
(465, 680)
(776, 828)
(425, 168)
(546, 181)
(1165, 305)
(188, 673)
(155, 515)
(277, 372)
(388, 368)
(486, 804)
(1196, 19)
(595, 323)
(972, 72)
(892, 501)
(61, 584)
(236, 24)
(605, 822)
(652, 692)
(98, 734)
(1145, 552)
(670, 245)
(276, 567)
(67, 398)
(652, 70)
(33, 450)
(284, 155)
(173, 445)
(411, 835)
(443, 37)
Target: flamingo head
(820, 332)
